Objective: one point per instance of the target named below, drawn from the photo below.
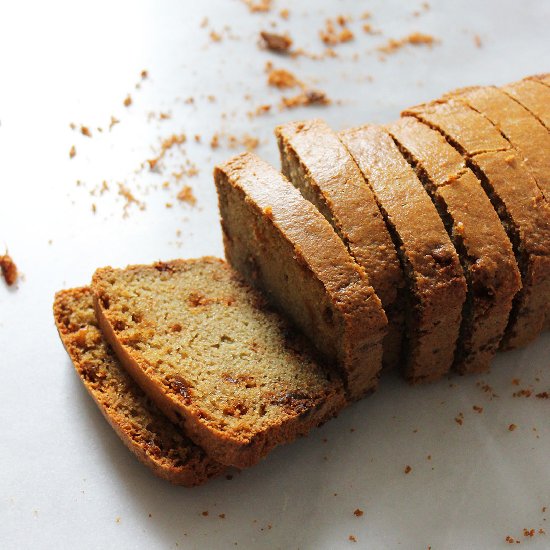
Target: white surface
(65, 479)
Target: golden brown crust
(281, 243)
(156, 442)
(517, 200)
(518, 125)
(150, 313)
(317, 163)
(485, 249)
(534, 96)
(437, 288)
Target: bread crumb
(336, 32)
(407, 469)
(205, 513)
(304, 99)
(114, 121)
(351, 538)
(413, 39)
(215, 37)
(512, 427)
(72, 152)
(186, 195)
(85, 131)
(284, 13)
(279, 43)
(477, 409)
(221, 516)
(459, 418)
(128, 101)
(477, 41)
(281, 78)
(9, 269)
(358, 513)
(258, 6)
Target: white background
(65, 479)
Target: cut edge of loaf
(156, 442)
(318, 261)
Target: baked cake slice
(436, 284)
(205, 347)
(157, 442)
(484, 248)
(281, 244)
(317, 163)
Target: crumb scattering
(336, 31)
(9, 269)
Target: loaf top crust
(207, 348)
(337, 187)
(533, 95)
(521, 128)
(157, 442)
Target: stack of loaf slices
(423, 245)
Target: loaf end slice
(282, 244)
(207, 349)
(157, 442)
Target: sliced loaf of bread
(282, 244)
(317, 163)
(485, 250)
(435, 280)
(516, 198)
(205, 347)
(534, 96)
(157, 442)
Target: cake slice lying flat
(156, 442)
(436, 284)
(485, 250)
(517, 199)
(203, 345)
(317, 163)
(282, 244)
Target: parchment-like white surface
(65, 479)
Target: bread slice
(484, 248)
(317, 163)
(517, 200)
(202, 344)
(437, 288)
(534, 96)
(524, 132)
(155, 441)
(284, 246)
